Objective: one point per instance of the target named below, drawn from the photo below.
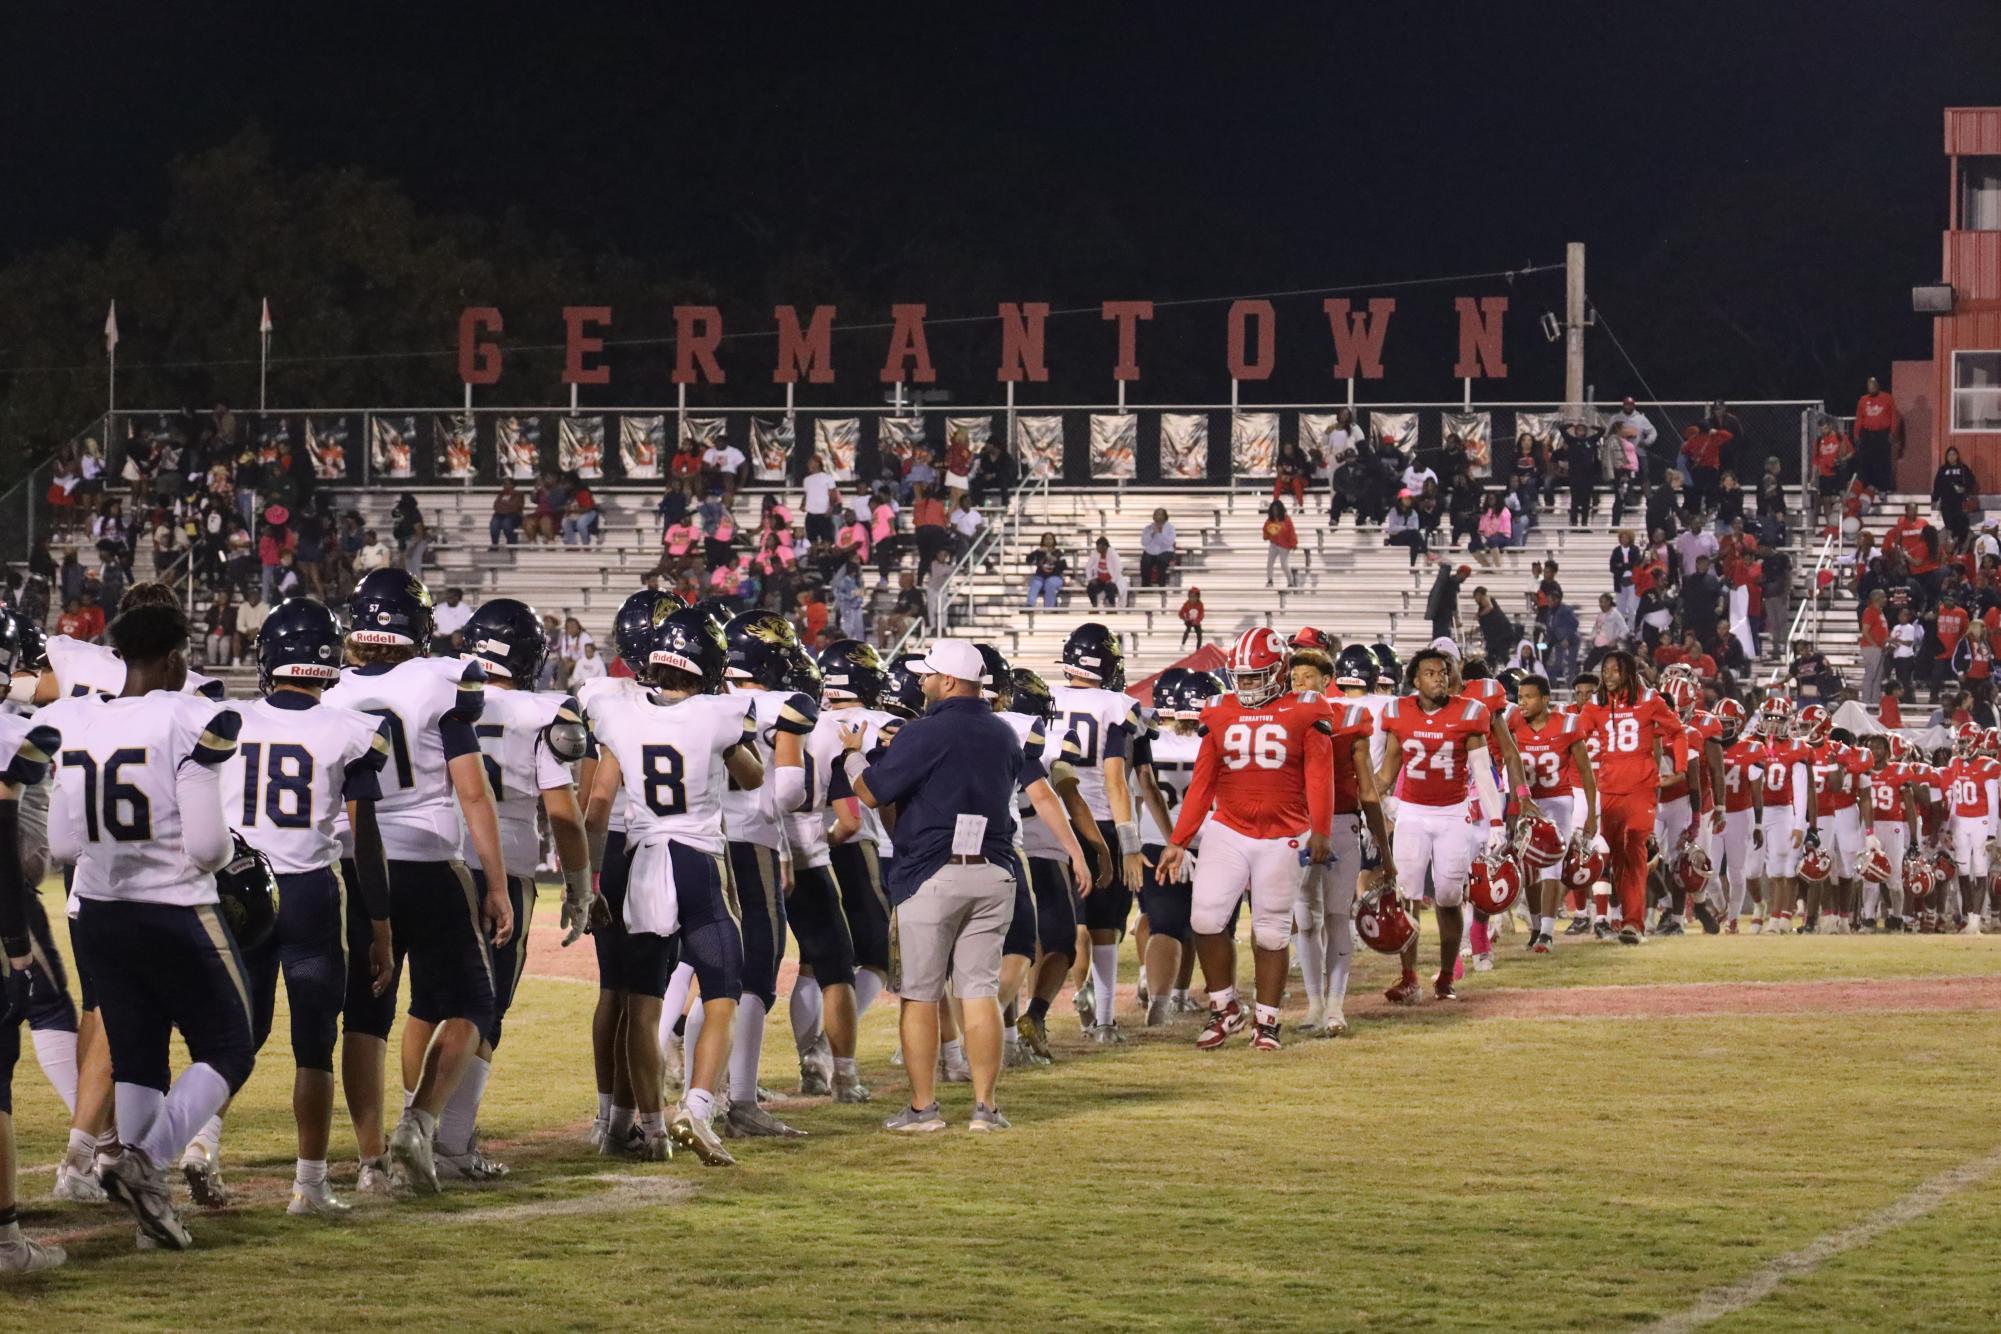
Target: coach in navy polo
(952, 776)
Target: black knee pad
(1167, 906)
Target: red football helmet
(1813, 725)
(1539, 842)
(1385, 926)
(1967, 738)
(1584, 862)
(1816, 864)
(1876, 866)
(1691, 867)
(1681, 693)
(1731, 714)
(1308, 637)
(1918, 878)
(1944, 868)
(1494, 883)
(1990, 743)
(1257, 665)
(1900, 749)
(1776, 717)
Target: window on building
(1976, 391)
(1980, 194)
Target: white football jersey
(117, 762)
(513, 739)
(1103, 723)
(65, 789)
(288, 781)
(753, 816)
(1173, 768)
(806, 828)
(1038, 742)
(872, 830)
(588, 694)
(1377, 705)
(670, 760)
(82, 667)
(418, 699)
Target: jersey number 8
(661, 768)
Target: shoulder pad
(797, 715)
(566, 736)
(1324, 726)
(217, 741)
(30, 761)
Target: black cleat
(1707, 916)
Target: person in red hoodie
(1704, 451)
(1876, 425)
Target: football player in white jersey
(861, 859)
(439, 922)
(1020, 944)
(1165, 906)
(299, 765)
(760, 649)
(25, 750)
(528, 741)
(674, 751)
(140, 815)
(851, 676)
(615, 1129)
(1091, 706)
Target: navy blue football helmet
(1197, 693)
(1355, 668)
(852, 669)
(1092, 651)
(905, 696)
(760, 645)
(687, 640)
(1168, 688)
(802, 674)
(1389, 667)
(1031, 695)
(632, 628)
(995, 674)
(505, 636)
(13, 646)
(247, 895)
(718, 610)
(390, 607)
(299, 641)
(34, 647)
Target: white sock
(195, 1100)
(309, 1171)
(1105, 979)
(804, 1005)
(210, 1134)
(1267, 1014)
(1312, 947)
(746, 1046)
(1546, 925)
(462, 1108)
(82, 1144)
(135, 1107)
(676, 1001)
(1178, 994)
(55, 1049)
(701, 1104)
(604, 1106)
(846, 1067)
(1010, 1037)
(868, 985)
(409, 1099)
(1220, 998)
(689, 1035)
(953, 1052)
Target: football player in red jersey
(1557, 763)
(1893, 813)
(1636, 729)
(1971, 781)
(1791, 808)
(1590, 909)
(1439, 758)
(1489, 690)
(1266, 766)
(1744, 844)
(1688, 795)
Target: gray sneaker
(412, 1160)
(813, 1081)
(755, 1123)
(24, 1255)
(850, 1089)
(986, 1119)
(913, 1121)
(137, 1182)
(1108, 1035)
(1159, 1010)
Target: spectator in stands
(958, 467)
(448, 619)
(1192, 612)
(848, 600)
(995, 474)
(932, 524)
(1582, 459)
(1973, 660)
(909, 606)
(938, 591)
(1430, 513)
(883, 512)
(404, 517)
(1701, 600)
(723, 468)
(220, 636)
(1833, 462)
(168, 545)
(1729, 501)
(853, 539)
(1907, 641)
(1292, 471)
(1441, 605)
(1462, 505)
(72, 622)
(587, 668)
(1494, 533)
(1955, 491)
(373, 555)
(1876, 425)
(1951, 708)
(505, 525)
(1609, 631)
(1401, 529)
(685, 471)
(417, 551)
(1282, 539)
(1497, 630)
(1156, 550)
(1874, 642)
(581, 518)
(966, 524)
(1046, 570)
(1415, 475)
(1814, 679)
(570, 647)
(1104, 575)
(250, 614)
(1632, 425)
(920, 473)
(1890, 705)
(822, 494)
(1693, 545)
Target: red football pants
(1629, 822)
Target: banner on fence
(1254, 443)
(1114, 446)
(1544, 430)
(326, 447)
(640, 441)
(771, 441)
(706, 432)
(1184, 446)
(1393, 430)
(456, 436)
(269, 435)
(899, 438)
(972, 432)
(1473, 432)
(517, 447)
(836, 438)
(580, 446)
(1039, 443)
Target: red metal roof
(1973, 131)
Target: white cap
(957, 658)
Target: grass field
(1581, 1144)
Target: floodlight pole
(1573, 330)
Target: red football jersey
(1782, 774)
(1268, 771)
(1886, 792)
(1547, 761)
(1931, 800)
(1700, 729)
(1627, 733)
(1435, 748)
(1966, 785)
(1743, 764)
(1835, 773)
(1350, 720)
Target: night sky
(1089, 151)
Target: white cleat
(1159, 1010)
(24, 1255)
(1972, 927)
(374, 1180)
(1337, 1022)
(850, 1089)
(600, 1132)
(691, 1132)
(136, 1182)
(1315, 1022)
(202, 1170)
(316, 1201)
(1086, 1005)
(1483, 962)
(412, 1161)
(471, 1166)
(77, 1183)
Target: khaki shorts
(954, 925)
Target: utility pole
(1573, 330)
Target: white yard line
(1755, 1287)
